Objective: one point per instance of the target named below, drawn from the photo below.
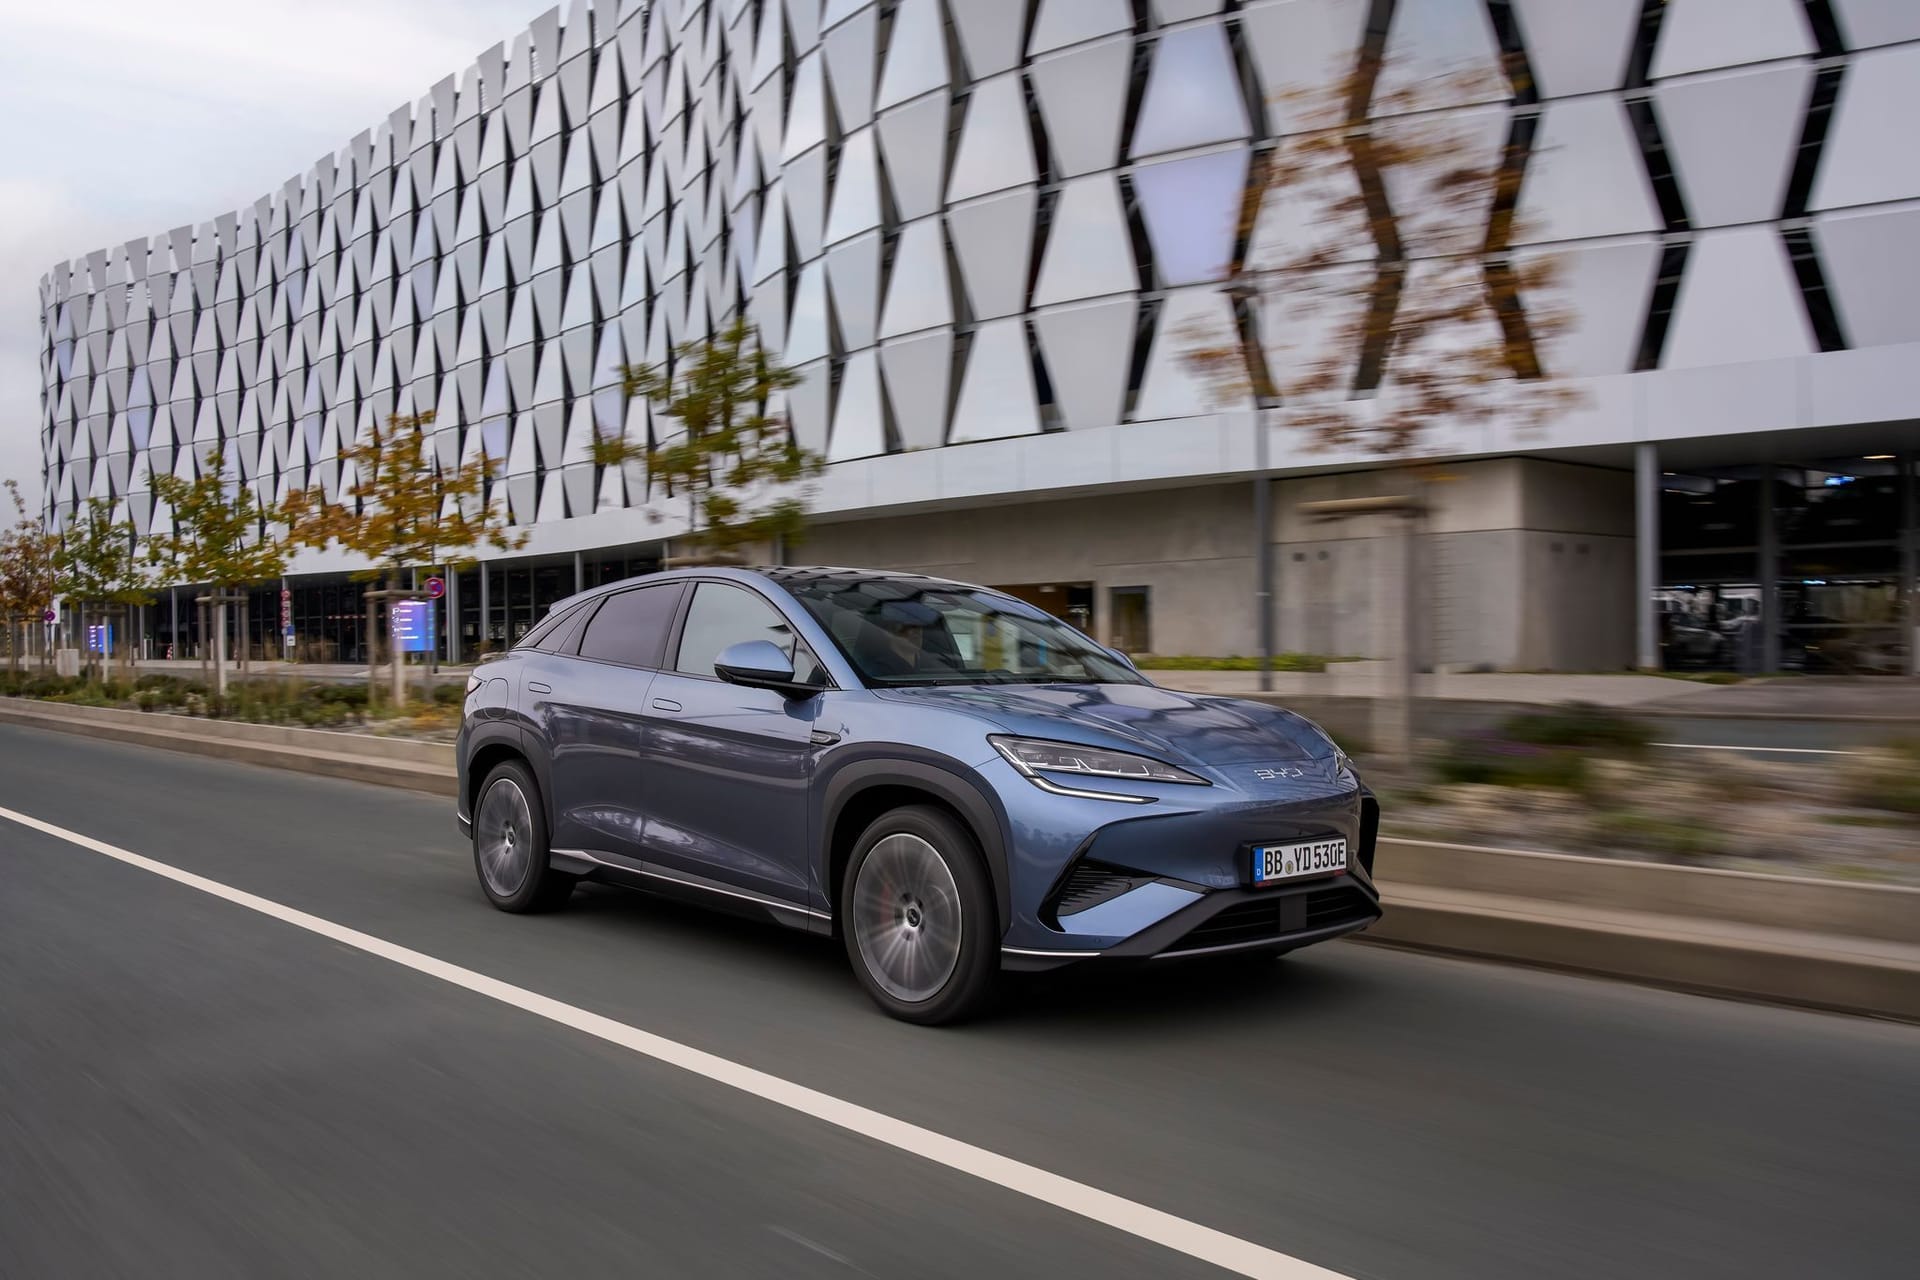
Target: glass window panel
(631, 627)
(721, 616)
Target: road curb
(1779, 939)
(391, 762)
(1816, 971)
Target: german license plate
(1275, 862)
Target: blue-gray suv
(950, 780)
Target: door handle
(665, 704)
(534, 686)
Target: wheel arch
(487, 754)
(860, 791)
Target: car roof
(779, 575)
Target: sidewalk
(1790, 697)
(1821, 697)
(318, 672)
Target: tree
(28, 580)
(1398, 304)
(224, 537)
(99, 570)
(401, 510)
(733, 460)
(1394, 306)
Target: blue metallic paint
(745, 786)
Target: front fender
(848, 773)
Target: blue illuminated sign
(411, 622)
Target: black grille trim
(1277, 918)
(1088, 884)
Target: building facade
(980, 229)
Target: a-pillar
(1646, 554)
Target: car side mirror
(757, 664)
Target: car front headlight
(1036, 757)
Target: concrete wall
(1193, 548)
(1524, 564)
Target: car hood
(1187, 727)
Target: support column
(452, 603)
(1646, 554)
(1769, 577)
(1910, 557)
(1263, 567)
(485, 605)
(579, 573)
(173, 636)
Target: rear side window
(631, 627)
(553, 630)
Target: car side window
(631, 627)
(552, 630)
(722, 615)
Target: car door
(587, 706)
(728, 768)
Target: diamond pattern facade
(963, 220)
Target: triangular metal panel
(996, 144)
(913, 138)
(853, 273)
(993, 241)
(1084, 347)
(919, 374)
(851, 66)
(997, 397)
(1734, 137)
(1089, 248)
(1068, 22)
(1702, 35)
(859, 419)
(1083, 99)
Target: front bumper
(1170, 877)
(1224, 921)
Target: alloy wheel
(907, 917)
(504, 838)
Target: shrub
(1658, 835)
(1891, 786)
(341, 695)
(449, 695)
(1489, 760)
(1582, 725)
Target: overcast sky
(124, 118)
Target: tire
(918, 917)
(510, 850)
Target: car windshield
(899, 633)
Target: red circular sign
(436, 587)
(50, 616)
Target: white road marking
(1791, 751)
(1230, 1253)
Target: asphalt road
(191, 1088)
